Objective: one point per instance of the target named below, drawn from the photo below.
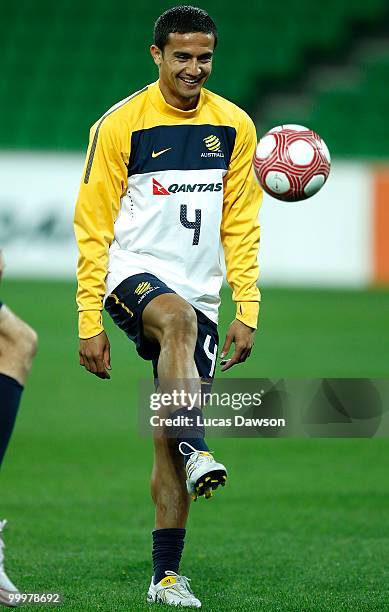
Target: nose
(193, 68)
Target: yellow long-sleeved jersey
(160, 188)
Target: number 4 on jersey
(210, 354)
(194, 225)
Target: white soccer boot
(6, 586)
(173, 590)
(203, 473)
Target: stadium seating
(350, 116)
(64, 63)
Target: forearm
(240, 228)
(242, 276)
(96, 210)
(91, 273)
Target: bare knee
(18, 346)
(169, 317)
(22, 351)
(180, 323)
(26, 342)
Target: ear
(156, 54)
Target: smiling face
(184, 65)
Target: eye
(205, 59)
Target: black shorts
(126, 304)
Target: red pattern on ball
(279, 160)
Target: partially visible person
(18, 344)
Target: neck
(178, 101)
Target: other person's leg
(18, 343)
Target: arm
(103, 183)
(240, 239)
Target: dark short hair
(182, 20)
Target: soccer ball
(292, 162)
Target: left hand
(243, 338)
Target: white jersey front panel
(169, 225)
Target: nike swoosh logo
(160, 152)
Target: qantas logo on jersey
(159, 189)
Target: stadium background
(302, 524)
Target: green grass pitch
(302, 525)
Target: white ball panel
(277, 182)
(265, 146)
(278, 128)
(314, 185)
(301, 153)
(295, 127)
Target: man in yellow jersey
(168, 176)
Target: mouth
(190, 81)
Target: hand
(95, 355)
(243, 338)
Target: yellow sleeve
(103, 183)
(240, 226)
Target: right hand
(95, 355)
